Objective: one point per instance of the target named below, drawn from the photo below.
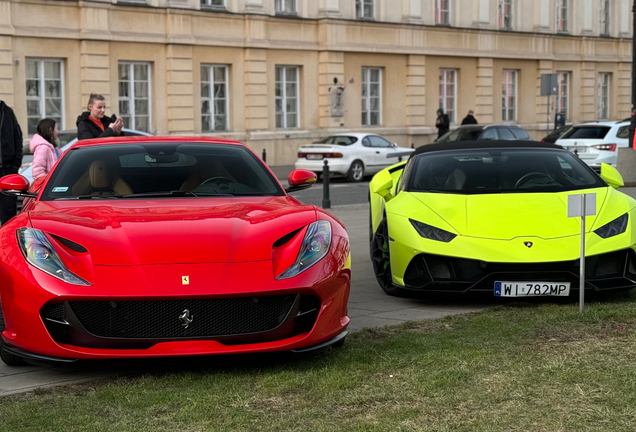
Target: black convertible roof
(483, 144)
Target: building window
(505, 14)
(442, 12)
(448, 92)
(134, 95)
(285, 6)
(562, 16)
(214, 98)
(604, 96)
(213, 3)
(44, 92)
(563, 94)
(287, 97)
(509, 96)
(365, 9)
(605, 17)
(371, 96)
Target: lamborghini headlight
(314, 247)
(614, 228)
(431, 232)
(39, 252)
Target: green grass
(525, 367)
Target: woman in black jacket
(94, 124)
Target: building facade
(280, 73)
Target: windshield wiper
(174, 193)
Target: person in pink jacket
(43, 147)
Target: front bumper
(434, 273)
(133, 312)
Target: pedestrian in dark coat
(442, 123)
(94, 124)
(10, 157)
(469, 119)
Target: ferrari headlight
(315, 246)
(431, 232)
(614, 228)
(39, 252)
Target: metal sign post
(581, 206)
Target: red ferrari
(151, 247)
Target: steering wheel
(523, 180)
(218, 179)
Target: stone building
(279, 73)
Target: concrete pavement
(368, 307)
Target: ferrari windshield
(500, 171)
(159, 169)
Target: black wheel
(382, 260)
(356, 172)
(8, 358)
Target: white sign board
(580, 206)
(575, 202)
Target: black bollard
(326, 202)
(412, 145)
(264, 155)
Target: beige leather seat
(99, 181)
(206, 170)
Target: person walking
(10, 157)
(470, 119)
(442, 123)
(94, 123)
(44, 148)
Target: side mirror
(611, 176)
(382, 183)
(300, 179)
(15, 185)
(394, 145)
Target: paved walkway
(368, 307)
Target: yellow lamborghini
(492, 216)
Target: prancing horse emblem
(529, 244)
(186, 318)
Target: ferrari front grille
(177, 319)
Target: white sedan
(353, 155)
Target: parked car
(596, 143)
(169, 246)
(485, 132)
(65, 140)
(553, 136)
(353, 155)
(492, 217)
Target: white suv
(596, 143)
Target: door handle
(377, 152)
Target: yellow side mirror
(382, 183)
(611, 176)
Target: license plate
(314, 156)
(579, 150)
(532, 289)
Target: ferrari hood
(506, 216)
(173, 231)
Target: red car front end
(172, 277)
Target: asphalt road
(341, 192)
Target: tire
(380, 256)
(8, 358)
(356, 171)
